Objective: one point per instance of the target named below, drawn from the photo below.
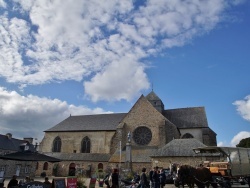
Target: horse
(190, 175)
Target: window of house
(100, 166)
(26, 169)
(85, 145)
(57, 145)
(45, 166)
(37, 165)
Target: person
(155, 178)
(13, 182)
(106, 180)
(133, 185)
(27, 179)
(47, 182)
(143, 179)
(150, 177)
(162, 178)
(115, 178)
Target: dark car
(169, 176)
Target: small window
(26, 169)
(45, 166)
(187, 135)
(37, 165)
(100, 166)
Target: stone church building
(87, 143)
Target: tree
(245, 143)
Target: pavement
(87, 180)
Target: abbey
(87, 143)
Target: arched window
(45, 166)
(100, 166)
(57, 145)
(85, 145)
(187, 135)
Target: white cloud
(243, 107)
(24, 116)
(237, 138)
(2, 4)
(87, 40)
(221, 143)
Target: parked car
(169, 176)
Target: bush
(81, 182)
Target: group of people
(157, 178)
(13, 183)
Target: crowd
(155, 179)
(13, 183)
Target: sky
(59, 58)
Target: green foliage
(81, 182)
(245, 143)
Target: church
(87, 143)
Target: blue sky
(59, 58)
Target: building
(90, 142)
(10, 167)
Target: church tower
(155, 101)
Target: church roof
(179, 147)
(182, 117)
(187, 117)
(97, 122)
(152, 97)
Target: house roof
(97, 122)
(9, 143)
(187, 117)
(139, 154)
(179, 147)
(98, 157)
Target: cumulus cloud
(24, 116)
(243, 107)
(52, 41)
(237, 138)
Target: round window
(142, 135)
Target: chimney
(9, 135)
(30, 140)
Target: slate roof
(187, 117)
(97, 122)
(181, 117)
(11, 144)
(152, 97)
(140, 154)
(179, 147)
(98, 157)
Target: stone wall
(26, 168)
(71, 141)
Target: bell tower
(155, 101)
